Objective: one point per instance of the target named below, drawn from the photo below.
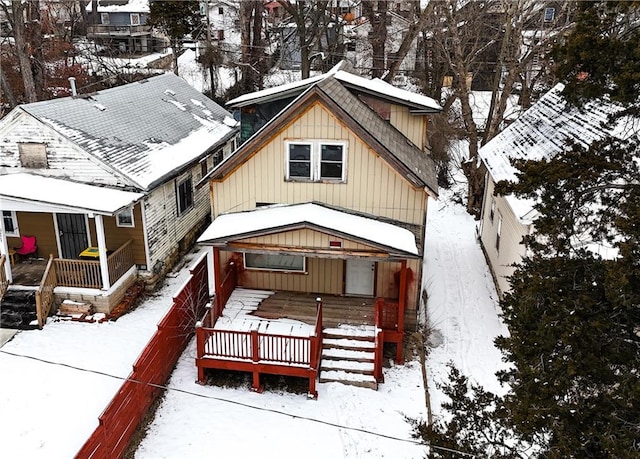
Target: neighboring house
(358, 49)
(541, 132)
(113, 172)
(327, 197)
(120, 25)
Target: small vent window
(33, 155)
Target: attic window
(33, 155)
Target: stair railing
(44, 294)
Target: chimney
(72, 81)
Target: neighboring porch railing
(44, 294)
(4, 283)
(86, 273)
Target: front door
(72, 232)
(359, 277)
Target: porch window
(10, 223)
(184, 194)
(124, 219)
(276, 262)
(316, 161)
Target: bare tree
(376, 14)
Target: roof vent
(169, 92)
(100, 107)
(72, 82)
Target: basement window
(275, 262)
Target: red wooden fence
(120, 419)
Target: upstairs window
(10, 223)
(184, 195)
(316, 161)
(218, 156)
(498, 233)
(220, 10)
(135, 19)
(549, 14)
(492, 209)
(104, 18)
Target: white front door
(359, 277)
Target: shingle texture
(143, 130)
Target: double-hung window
(184, 192)
(316, 160)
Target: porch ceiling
(280, 218)
(36, 193)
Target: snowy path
(462, 302)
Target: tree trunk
(19, 35)
(406, 44)
(376, 13)
(35, 44)
(8, 91)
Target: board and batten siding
(414, 127)
(386, 285)
(371, 186)
(511, 250)
(65, 160)
(165, 229)
(40, 225)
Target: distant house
(120, 25)
(543, 131)
(105, 181)
(326, 199)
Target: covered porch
(80, 244)
(349, 270)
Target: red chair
(29, 246)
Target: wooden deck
(336, 310)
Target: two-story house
(326, 198)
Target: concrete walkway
(6, 334)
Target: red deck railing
(258, 352)
(127, 409)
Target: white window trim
(316, 146)
(15, 233)
(179, 182)
(137, 21)
(251, 268)
(125, 225)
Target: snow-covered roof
(146, 131)
(120, 6)
(45, 192)
(543, 131)
(375, 87)
(278, 217)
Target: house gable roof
(417, 103)
(406, 158)
(145, 131)
(239, 225)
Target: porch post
(5, 250)
(216, 278)
(102, 250)
(402, 301)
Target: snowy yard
(56, 382)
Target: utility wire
(234, 402)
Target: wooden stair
(348, 355)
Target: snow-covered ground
(54, 383)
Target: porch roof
(36, 193)
(277, 218)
